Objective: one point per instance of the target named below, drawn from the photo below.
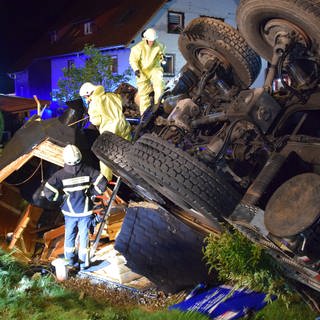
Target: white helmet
(71, 155)
(150, 34)
(86, 89)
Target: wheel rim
(270, 30)
(205, 54)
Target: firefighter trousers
(77, 226)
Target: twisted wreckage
(215, 150)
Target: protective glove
(137, 73)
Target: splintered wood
(46, 150)
(111, 265)
(25, 230)
(53, 244)
(15, 165)
(23, 224)
(11, 207)
(49, 151)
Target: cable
(27, 179)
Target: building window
(88, 27)
(175, 22)
(70, 64)
(114, 67)
(168, 67)
(53, 36)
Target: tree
(97, 69)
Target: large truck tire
(301, 15)
(113, 150)
(206, 38)
(187, 182)
(162, 248)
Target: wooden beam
(10, 208)
(15, 165)
(49, 151)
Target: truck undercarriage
(222, 151)
(216, 150)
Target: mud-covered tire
(112, 150)
(216, 38)
(162, 248)
(253, 15)
(187, 182)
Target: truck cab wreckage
(216, 151)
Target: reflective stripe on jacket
(77, 184)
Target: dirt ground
(151, 300)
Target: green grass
(277, 310)
(39, 298)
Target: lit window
(70, 64)
(168, 67)
(175, 22)
(88, 28)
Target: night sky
(21, 24)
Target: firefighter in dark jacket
(77, 183)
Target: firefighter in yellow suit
(105, 112)
(145, 59)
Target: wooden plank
(25, 218)
(25, 229)
(12, 209)
(49, 151)
(30, 235)
(57, 251)
(14, 104)
(113, 231)
(52, 239)
(107, 195)
(15, 165)
(46, 150)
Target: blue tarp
(216, 304)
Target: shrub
(97, 69)
(245, 264)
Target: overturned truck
(213, 150)
(221, 151)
